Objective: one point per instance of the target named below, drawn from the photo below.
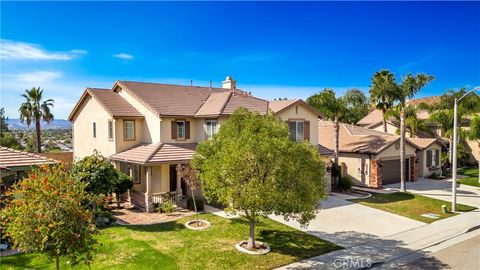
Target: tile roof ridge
(123, 86)
(35, 155)
(89, 90)
(160, 145)
(173, 84)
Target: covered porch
(154, 169)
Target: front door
(173, 178)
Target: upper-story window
(297, 129)
(180, 130)
(94, 129)
(129, 130)
(211, 128)
(110, 129)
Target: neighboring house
(428, 155)
(371, 158)
(374, 121)
(148, 129)
(14, 165)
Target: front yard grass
(171, 246)
(410, 205)
(472, 179)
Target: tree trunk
(194, 205)
(251, 237)
(57, 262)
(118, 200)
(336, 127)
(402, 149)
(38, 131)
(384, 121)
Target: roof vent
(229, 83)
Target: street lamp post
(454, 148)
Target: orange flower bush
(48, 213)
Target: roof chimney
(229, 83)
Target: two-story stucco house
(148, 129)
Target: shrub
(345, 183)
(198, 202)
(166, 207)
(335, 170)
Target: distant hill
(56, 124)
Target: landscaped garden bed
(411, 205)
(172, 246)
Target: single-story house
(369, 157)
(16, 164)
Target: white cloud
(38, 76)
(124, 56)
(20, 50)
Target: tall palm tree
(409, 87)
(336, 109)
(35, 109)
(381, 92)
(412, 122)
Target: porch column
(148, 190)
(179, 182)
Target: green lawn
(410, 205)
(172, 246)
(472, 179)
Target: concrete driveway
(442, 190)
(348, 224)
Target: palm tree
(409, 87)
(412, 122)
(381, 92)
(336, 109)
(35, 109)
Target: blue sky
(273, 49)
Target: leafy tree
(123, 184)
(189, 175)
(35, 109)
(381, 92)
(253, 166)
(409, 87)
(412, 122)
(98, 172)
(45, 215)
(7, 138)
(357, 106)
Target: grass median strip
(472, 179)
(171, 246)
(410, 205)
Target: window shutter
(293, 129)
(187, 130)
(429, 158)
(174, 129)
(306, 131)
(437, 154)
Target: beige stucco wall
(351, 166)
(304, 114)
(123, 144)
(474, 148)
(151, 124)
(423, 170)
(83, 141)
(393, 153)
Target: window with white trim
(211, 128)
(297, 129)
(180, 129)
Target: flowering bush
(48, 213)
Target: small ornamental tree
(123, 184)
(97, 172)
(46, 214)
(190, 176)
(253, 166)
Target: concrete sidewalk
(380, 251)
